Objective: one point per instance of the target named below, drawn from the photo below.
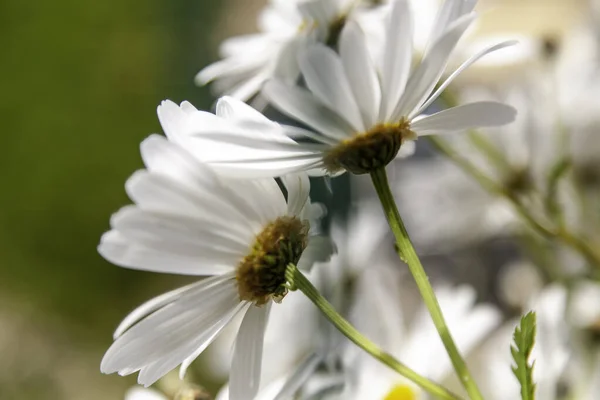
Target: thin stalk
(380, 181)
(297, 280)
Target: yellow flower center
(261, 274)
(401, 392)
(368, 151)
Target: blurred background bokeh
(80, 82)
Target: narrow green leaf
(523, 341)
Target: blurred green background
(80, 84)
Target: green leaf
(523, 341)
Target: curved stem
(409, 255)
(298, 281)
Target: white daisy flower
(378, 313)
(187, 220)
(286, 26)
(308, 362)
(361, 112)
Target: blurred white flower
(543, 29)
(519, 282)
(590, 387)
(361, 112)
(550, 352)
(187, 220)
(444, 209)
(140, 393)
(286, 27)
(378, 313)
(584, 306)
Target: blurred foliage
(80, 82)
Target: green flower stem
(562, 234)
(409, 255)
(297, 280)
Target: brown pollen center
(368, 151)
(261, 274)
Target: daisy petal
(303, 106)
(233, 109)
(360, 71)
(296, 133)
(158, 193)
(119, 250)
(164, 339)
(407, 149)
(458, 71)
(319, 249)
(230, 66)
(176, 233)
(264, 143)
(152, 305)
(269, 203)
(270, 167)
(450, 11)
(296, 380)
(326, 79)
(298, 188)
(246, 365)
(247, 89)
(467, 116)
(167, 158)
(170, 159)
(397, 57)
(427, 74)
(176, 120)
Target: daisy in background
(189, 392)
(286, 27)
(141, 393)
(187, 220)
(360, 112)
(169, 387)
(379, 312)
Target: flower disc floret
(261, 274)
(368, 151)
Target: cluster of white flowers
(225, 196)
